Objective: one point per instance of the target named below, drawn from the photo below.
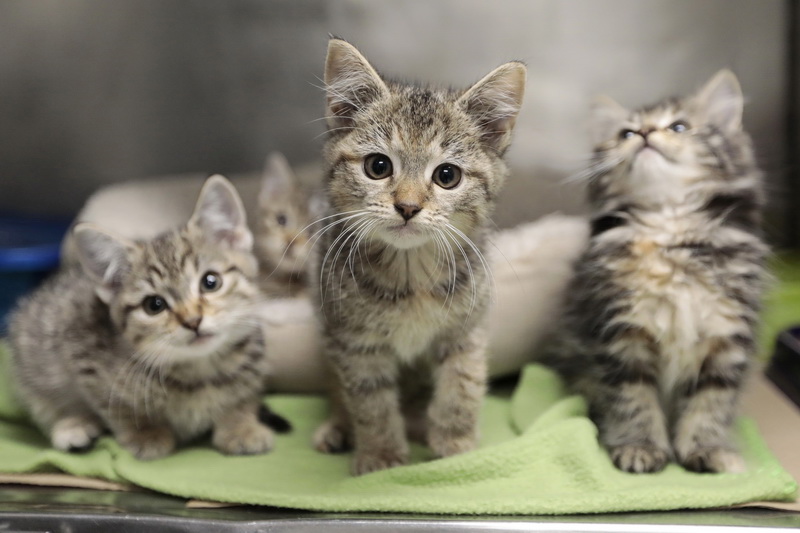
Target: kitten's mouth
(408, 229)
(201, 338)
(648, 148)
(406, 235)
(405, 227)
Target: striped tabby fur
(663, 311)
(93, 350)
(403, 284)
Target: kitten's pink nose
(644, 132)
(407, 211)
(192, 322)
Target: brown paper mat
(65, 480)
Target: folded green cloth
(539, 455)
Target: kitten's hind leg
(240, 432)
(706, 409)
(70, 425)
(335, 435)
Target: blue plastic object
(29, 250)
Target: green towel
(539, 455)
(782, 304)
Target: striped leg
(706, 409)
(459, 387)
(625, 404)
(368, 378)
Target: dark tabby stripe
(736, 208)
(606, 222)
(615, 371)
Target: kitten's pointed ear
(721, 102)
(277, 179)
(350, 83)
(220, 215)
(105, 257)
(607, 118)
(494, 103)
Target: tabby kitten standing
(664, 306)
(282, 229)
(413, 174)
(157, 341)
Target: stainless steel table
(25, 508)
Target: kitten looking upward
(663, 311)
(157, 341)
(413, 174)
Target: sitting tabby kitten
(282, 229)
(665, 303)
(413, 174)
(156, 341)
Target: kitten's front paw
(366, 462)
(639, 459)
(445, 445)
(75, 434)
(149, 443)
(244, 439)
(332, 437)
(714, 460)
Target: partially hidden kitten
(156, 341)
(413, 174)
(664, 307)
(282, 229)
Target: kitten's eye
(378, 166)
(627, 134)
(447, 176)
(154, 304)
(679, 126)
(281, 219)
(210, 282)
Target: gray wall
(96, 91)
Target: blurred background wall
(96, 91)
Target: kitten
(665, 301)
(282, 229)
(413, 174)
(157, 341)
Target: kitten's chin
(198, 347)
(204, 339)
(404, 237)
(656, 179)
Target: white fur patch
(683, 309)
(73, 432)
